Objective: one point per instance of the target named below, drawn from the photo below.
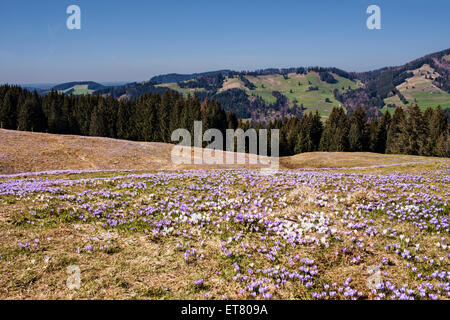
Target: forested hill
(176, 77)
(270, 94)
(424, 81)
(77, 87)
(276, 93)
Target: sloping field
(78, 90)
(354, 160)
(26, 152)
(176, 87)
(36, 152)
(296, 87)
(421, 90)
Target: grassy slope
(353, 159)
(420, 90)
(311, 100)
(79, 89)
(417, 89)
(265, 85)
(176, 87)
(34, 152)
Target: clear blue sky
(134, 40)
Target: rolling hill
(277, 93)
(176, 77)
(24, 152)
(306, 91)
(36, 152)
(425, 81)
(78, 87)
(421, 89)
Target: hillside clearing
(420, 89)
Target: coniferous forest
(153, 117)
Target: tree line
(407, 131)
(153, 117)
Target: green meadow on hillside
(421, 89)
(176, 87)
(423, 99)
(296, 87)
(78, 89)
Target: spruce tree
(124, 114)
(164, 114)
(98, 126)
(335, 132)
(304, 142)
(357, 134)
(66, 122)
(381, 132)
(24, 116)
(371, 128)
(415, 131)
(316, 130)
(438, 135)
(8, 111)
(394, 141)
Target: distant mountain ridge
(78, 87)
(176, 77)
(277, 93)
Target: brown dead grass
(349, 160)
(33, 152)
